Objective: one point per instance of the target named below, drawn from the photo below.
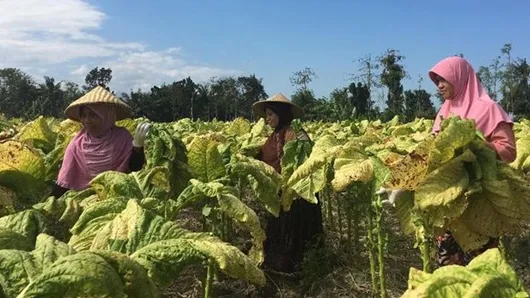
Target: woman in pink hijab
(101, 145)
(465, 97)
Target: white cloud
(81, 70)
(68, 17)
(53, 34)
(143, 69)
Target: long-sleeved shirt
(502, 140)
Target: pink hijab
(471, 100)
(87, 156)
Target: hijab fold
(471, 100)
(87, 156)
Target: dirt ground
(331, 271)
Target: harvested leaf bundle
(460, 186)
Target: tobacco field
(191, 222)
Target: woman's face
(272, 119)
(91, 121)
(446, 90)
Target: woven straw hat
(259, 107)
(98, 95)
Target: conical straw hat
(259, 107)
(98, 95)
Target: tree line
(375, 91)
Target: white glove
(393, 195)
(141, 133)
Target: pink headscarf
(471, 100)
(87, 156)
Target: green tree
(360, 98)
(251, 90)
(418, 104)
(302, 78)
(201, 102)
(508, 80)
(98, 77)
(307, 100)
(17, 93)
(71, 92)
(368, 74)
(490, 76)
(303, 95)
(391, 76)
(340, 107)
(50, 100)
(520, 92)
(224, 98)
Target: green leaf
(38, 134)
(482, 217)
(405, 212)
(263, 180)
(78, 275)
(17, 269)
(466, 238)
(350, 166)
(311, 176)
(232, 206)
(22, 170)
(92, 220)
(133, 229)
(112, 184)
(439, 191)
(239, 126)
(197, 191)
(491, 286)
(28, 223)
(132, 275)
(154, 182)
(162, 148)
(455, 134)
(74, 204)
(165, 259)
(487, 275)
(48, 250)
(296, 152)
(416, 278)
(492, 262)
(205, 160)
(522, 160)
(10, 239)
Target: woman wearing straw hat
(288, 235)
(100, 146)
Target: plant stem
(329, 207)
(349, 215)
(381, 261)
(339, 218)
(209, 278)
(426, 256)
(380, 246)
(370, 244)
(356, 233)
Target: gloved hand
(141, 133)
(393, 195)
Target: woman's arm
(502, 140)
(137, 160)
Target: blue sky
(152, 42)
